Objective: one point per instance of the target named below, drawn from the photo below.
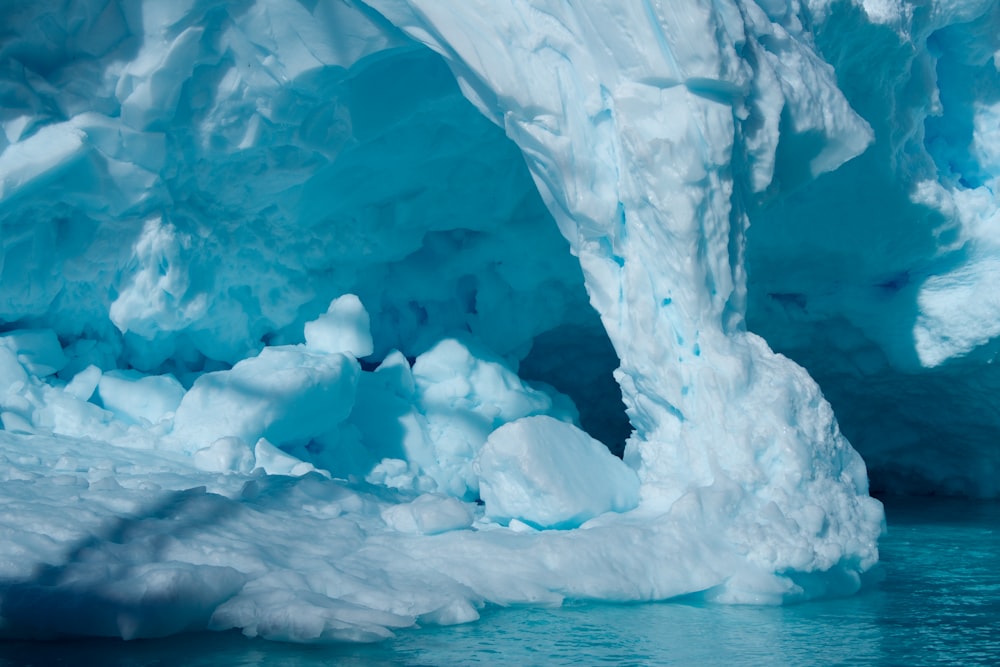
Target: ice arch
(644, 154)
(170, 174)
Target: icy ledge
(245, 495)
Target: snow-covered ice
(307, 308)
(550, 474)
(344, 327)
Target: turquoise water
(934, 600)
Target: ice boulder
(274, 461)
(84, 383)
(139, 398)
(550, 474)
(389, 424)
(15, 412)
(428, 514)
(12, 374)
(38, 350)
(286, 394)
(345, 327)
(464, 392)
(226, 455)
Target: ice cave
(320, 319)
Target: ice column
(645, 125)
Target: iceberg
(325, 319)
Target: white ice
(550, 474)
(305, 304)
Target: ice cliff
(311, 308)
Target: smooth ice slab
(287, 394)
(345, 327)
(38, 350)
(139, 398)
(550, 474)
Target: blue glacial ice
(322, 319)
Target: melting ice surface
(310, 309)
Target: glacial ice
(886, 295)
(549, 474)
(344, 327)
(308, 307)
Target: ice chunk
(345, 327)
(273, 461)
(428, 514)
(550, 474)
(38, 156)
(15, 422)
(287, 394)
(85, 352)
(226, 455)
(421, 427)
(464, 392)
(388, 421)
(13, 376)
(140, 398)
(156, 293)
(84, 384)
(37, 349)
